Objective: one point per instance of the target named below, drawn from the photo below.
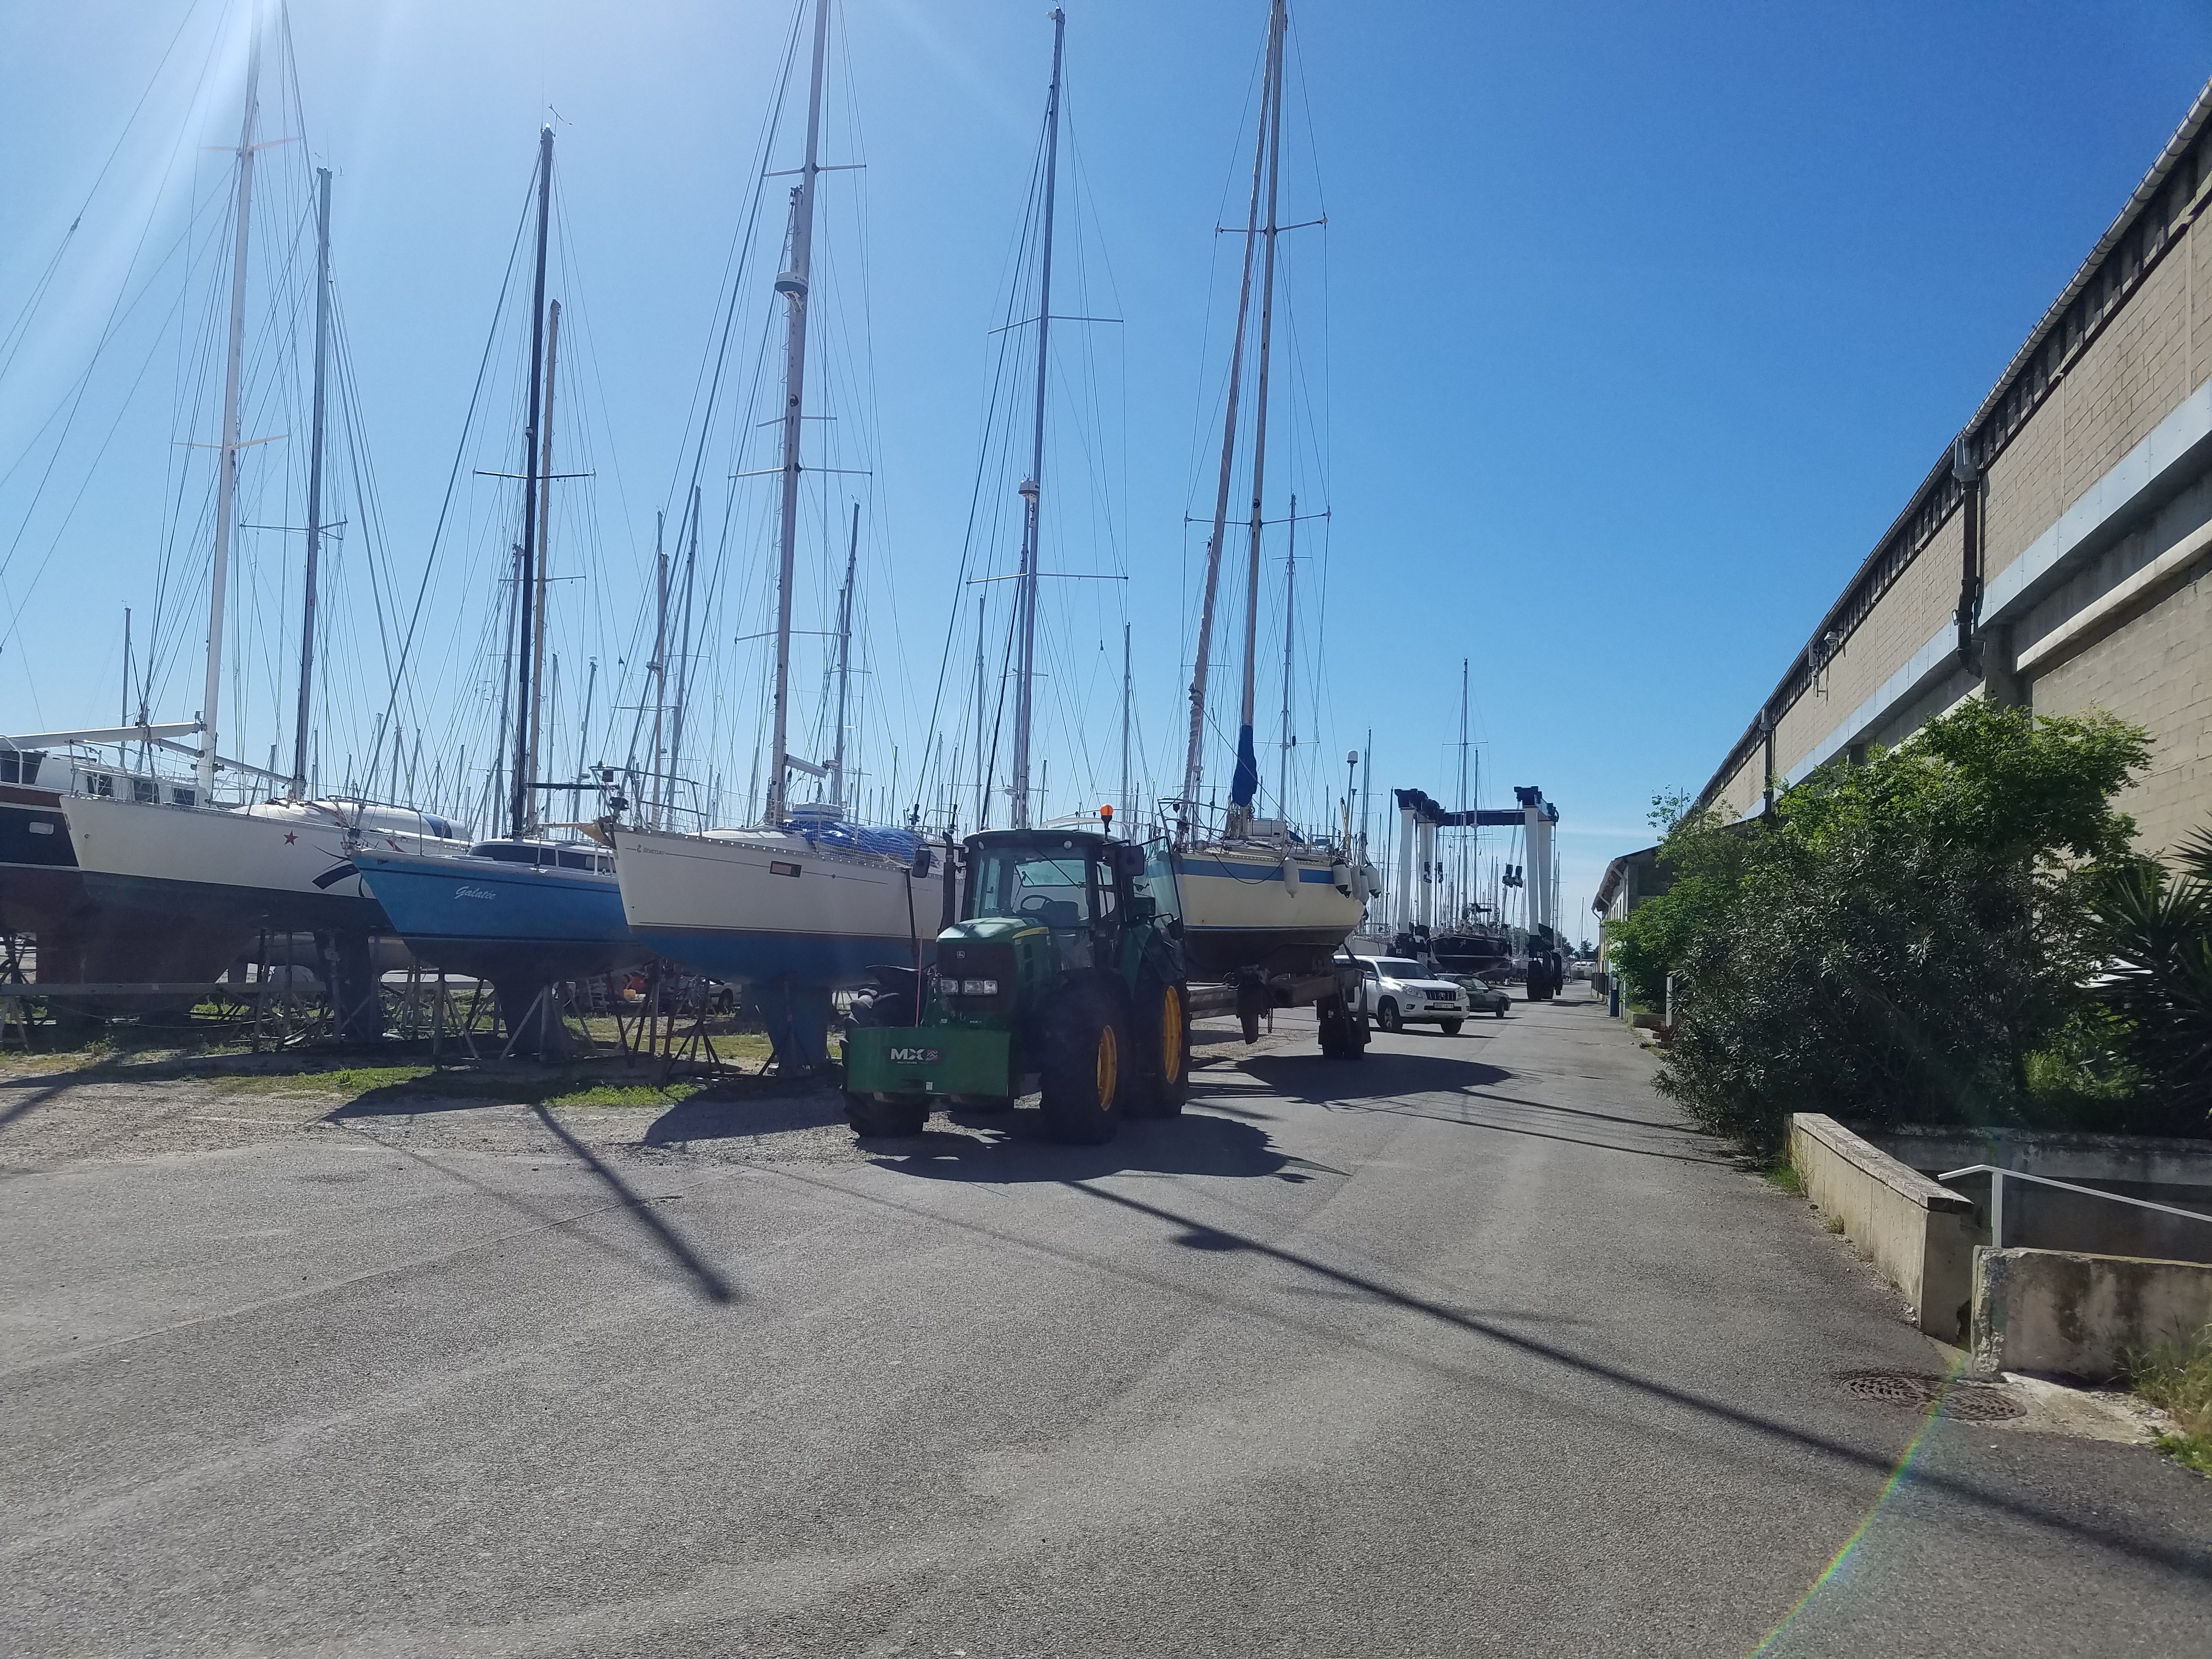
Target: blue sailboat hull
(505, 922)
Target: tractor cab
(1093, 896)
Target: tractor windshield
(1053, 888)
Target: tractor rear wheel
(1163, 1081)
(873, 1119)
(1086, 1066)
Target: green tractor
(1064, 975)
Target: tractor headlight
(979, 988)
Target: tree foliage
(1895, 939)
(2153, 931)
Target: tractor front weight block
(884, 1060)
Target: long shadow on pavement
(2189, 1559)
(1012, 1147)
(1391, 1084)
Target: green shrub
(1896, 939)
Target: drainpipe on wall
(1767, 752)
(1968, 477)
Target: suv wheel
(1386, 1016)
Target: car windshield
(1399, 968)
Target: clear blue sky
(1641, 321)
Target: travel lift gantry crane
(1419, 817)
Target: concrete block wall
(1919, 1234)
(2080, 1316)
(2155, 669)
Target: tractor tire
(872, 1118)
(1386, 1016)
(1087, 1058)
(1451, 1027)
(1162, 1083)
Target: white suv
(1396, 991)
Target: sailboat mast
(983, 756)
(1202, 667)
(315, 482)
(1245, 785)
(226, 489)
(683, 657)
(521, 795)
(793, 284)
(1128, 817)
(544, 537)
(659, 654)
(1025, 590)
(844, 667)
(1290, 661)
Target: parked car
(1396, 991)
(1482, 997)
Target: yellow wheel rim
(1172, 1034)
(1110, 1066)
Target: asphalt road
(1466, 1347)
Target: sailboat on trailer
(522, 911)
(1257, 898)
(129, 874)
(803, 903)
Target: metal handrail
(1998, 1176)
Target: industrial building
(2056, 553)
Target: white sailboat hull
(754, 906)
(283, 864)
(1258, 906)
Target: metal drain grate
(1969, 1402)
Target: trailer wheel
(1086, 1065)
(1163, 1081)
(1252, 1006)
(1386, 1016)
(872, 1118)
(1339, 1037)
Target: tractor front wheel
(1086, 1065)
(1162, 1082)
(873, 1119)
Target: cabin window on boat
(21, 765)
(145, 791)
(575, 860)
(99, 783)
(439, 827)
(184, 798)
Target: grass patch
(1785, 1176)
(2178, 1379)
(351, 1081)
(611, 1094)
